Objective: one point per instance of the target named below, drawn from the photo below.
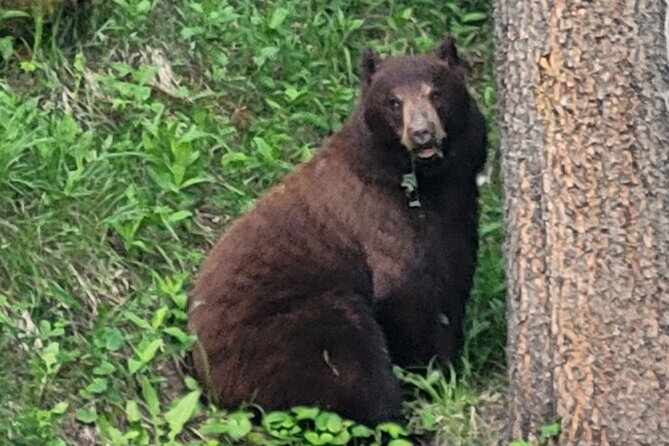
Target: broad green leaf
(98, 385)
(318, 439)
(147, 350)
(328, 421)
(134, 365)
(184, 409)
(60, 408)
(240, 425)
(113, 338)
(50, 355)
(342, 438)
(305, 413)
(278, 16)
(85, 415)
(276, 418)
(361, 431)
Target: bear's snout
(421, 131)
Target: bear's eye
(435, 95)
(394, 104)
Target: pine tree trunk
(584, 118)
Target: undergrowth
(131, 133)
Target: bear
(361, 258)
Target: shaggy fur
(331, 277)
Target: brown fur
(309, 297)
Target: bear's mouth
(426, 153)
(429, 152)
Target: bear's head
(418, 108)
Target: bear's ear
(370, 62)
(447, 51)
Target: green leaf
(318, 439)
(79, 62)
(143, 7)
(234, 158)
(134, 365)
(179, 215)
(6, 48)
(551, 430)
(215, 428)
(12, 14)
(178, 334)
(50, 355)
(428, 418)
(276, 419)
(85, 415)
(355, 24)
(159, 317)
(147, 349)
(264, 54)
(141, 323)
(163, 180)
(239, 425)
(150, 396)
(361, 431)
(99, 385)
(190, 31)
(191, 383)
(406, 13)
(28, 66)
(473, 17)
(342, 438)
(195, 180)
(184, 409)
(328, 421)
(392, 429)
(106, 368)
(278, 16)
(132, 411)
(144, 74)
(400, 442)
(60, 408)
(114, 339)
(264, 148)
(305, 413)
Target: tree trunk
(584, 118)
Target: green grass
(131, 133)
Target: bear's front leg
(418, 329)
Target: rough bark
(584, 118)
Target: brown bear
(349, 264)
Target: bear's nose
(421, 135)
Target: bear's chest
(421, 249)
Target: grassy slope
(128, 139)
